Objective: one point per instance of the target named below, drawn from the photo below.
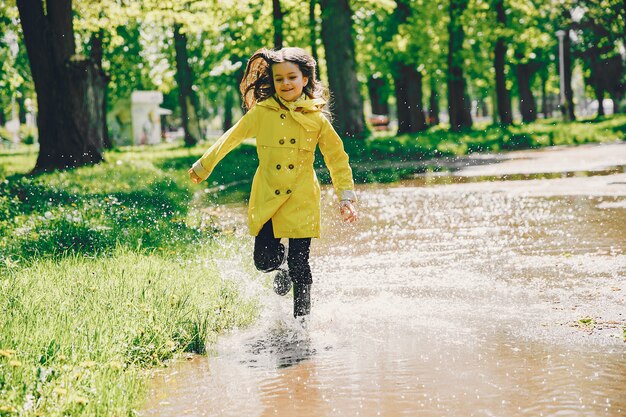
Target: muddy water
(485, 299)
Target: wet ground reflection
(487, 299)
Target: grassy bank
(78, 334)
(104, 273)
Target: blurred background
(110, 73)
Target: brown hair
(257, 83)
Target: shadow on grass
(40, 220)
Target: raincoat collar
(297, 108)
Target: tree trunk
(599, 92)
(313, 36)
(482, 109)
(596, 80)
(341, 66)
(69, 91)
(502, 93)
(186, 97)
(407, 80)
(278, 24)
(613, 70)
(411, 117)
(545, 107)
(20, 101)
(568, 109)
(433, 103)
(458, 104)
(527, 105)
(96, 56)
(378, 96)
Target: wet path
(482, 299)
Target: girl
(285, 114)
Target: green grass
(105, 272)
(78, 333)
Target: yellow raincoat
(285, 187)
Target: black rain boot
(282, 282)
(301, 299)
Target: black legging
(269, 254)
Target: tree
(187, 98)
(70, 88)
(16, 84)
(568, 106)
(313, 35)
(434, 52)
(433, 102)
(524, 72)
(374, 51)
(379, 97)
(278, 24)
(503, 97)
(458, 102)
(534, 53)
(341, 67)
(408, 81)
(600, 32)
(96, 55)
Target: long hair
(258, 84)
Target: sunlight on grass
(79, 331)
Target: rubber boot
(282, 282)
(301, 299)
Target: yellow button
(278, 166)
(288, 191)
(282, 116)
(290, 166)
(292, 140)
(277, 192)
(282, 141)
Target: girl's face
(288, 80)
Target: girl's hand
(194, 177)
(348, 212)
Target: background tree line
(417, 60)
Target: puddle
(482, 299)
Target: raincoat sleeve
(245, 128)
(336, 160)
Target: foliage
(15, 78)
(138, 50)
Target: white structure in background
(13, 125)
(146, 117)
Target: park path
(501, 298)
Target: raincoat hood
(297, 108)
